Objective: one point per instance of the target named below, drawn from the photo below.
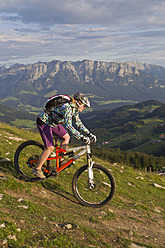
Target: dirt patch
(138, 226)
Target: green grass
(51, 205)
(31, 109)
(23, 123)
(114, 101)
(27, 92)
(52, 93)
(10, 98)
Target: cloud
(92, 29)
(107, 12)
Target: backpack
(56, 101)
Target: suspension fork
(90, 164)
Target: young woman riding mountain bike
(49, 124)
(93, 185)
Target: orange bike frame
(84, 149)
(59, 150)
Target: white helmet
(82, 98)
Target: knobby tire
(103, 192)
(21, 157)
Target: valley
(136, 127)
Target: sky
(99, 30)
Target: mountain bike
(93, 185)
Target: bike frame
(58, 151)
(84, 149)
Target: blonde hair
(75, 103)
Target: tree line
(136, 160)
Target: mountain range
(107, 84)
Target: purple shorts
(47, 133)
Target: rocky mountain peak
(40, 69)
(129, 80)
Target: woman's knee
(50, 148)
(66, 138)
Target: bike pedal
(30, 165)
(50, 171)
(54, 173)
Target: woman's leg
(44, 155)
(47, 137)
(65, 141)
(63, 134)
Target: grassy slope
(129, 217)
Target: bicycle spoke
(26, 158)
(99, 191)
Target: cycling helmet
(82, 98)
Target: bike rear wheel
(25, 154)
(103, 190)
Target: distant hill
(137, 127)
(108, 84)
(16, 117)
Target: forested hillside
(138, 127)
(15, 117)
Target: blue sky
(103, 30)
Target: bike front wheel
(103, 186)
